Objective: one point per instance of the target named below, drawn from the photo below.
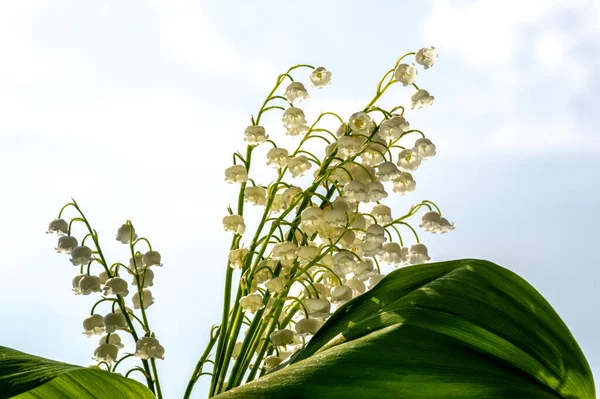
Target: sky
(134, 108)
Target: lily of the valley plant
(316, 246)
(308, 310)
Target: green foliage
(457, 329)
(32, 377)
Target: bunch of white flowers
(318, 246)
(96, 275)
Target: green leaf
(32, 377)
(457, 329)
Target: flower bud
(374, 280)
(271, 362)
(358, 287)
(237, 348)
(66, 244)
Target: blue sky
(133, 108)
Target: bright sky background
(133, 108)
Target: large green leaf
(459, 329)
(32, 377)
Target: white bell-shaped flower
(295, 92)
(318, 290)
(75, 283)
(116, 286)
(137, 262)
(293, 117)
(104, 276)
(58, 226)
(307, 253)
(421, 99)
(382, 213)
(277, 158)
(317, 307)
(237, 258)
(299, 165)
(372, 248)
(387, 171)
(445, 226)
(375, 233)
(256, 195)
(364, 269)
(376, 191)
(394, 254)
(271, 362)
(335, 217)
(277, 206)
(375, 279)
(341, 294)
(236, 174)
(393, 128)
(347, 239)
(252, 303)
(305, 327)
(81, 255)
(149, 348)
(255, 135)
(344, 261)
(125, 233)
(93, 325)
(89, 284)
(285, 252)
(358, 287)
(66, 244)
(426, 57)
(430, 221)
(408, 160)
(282, 337)
(404, 183)
(234, 224)
(355, 191)
(148, 299)
(146, 277)
(418, 254)
(406, 74)
(152, 258)
(424, 148)
(361, 122)
(349, 146)
(276, 284)
(113, 339)
(106, 353)
(320, 77)
(115, 321)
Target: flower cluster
(322, 244)
(96, 275)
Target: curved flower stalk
(318, 245)
(110, 315)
